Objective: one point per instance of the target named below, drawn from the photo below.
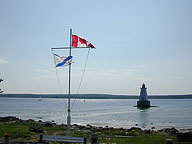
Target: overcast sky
(136, 41)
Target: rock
(48, 124)
(106, 127)
(30, 120)
(75, 125)
(135, 129)
(9, 119)
(173, 130)
(80, 127)
(88, 125)
(121, 129)
(63, 125)
(169, 130)
(185, 131)
(147, 131)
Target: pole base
(68, 125)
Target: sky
(136, 41)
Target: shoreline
(13, 119)
(29, 131)
(151, 126)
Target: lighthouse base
(143, 104)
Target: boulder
(48, 124)
(169, 130)
(9, 119)
(135, 129)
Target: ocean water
(103, 112)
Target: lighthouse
(143, 98)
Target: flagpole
(69, 110)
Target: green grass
(139, 139)
(16, 131)
(23, 132)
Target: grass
(27, 131)
(140, 139)
(16, 131)
(135, 137)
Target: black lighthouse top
(143, 85)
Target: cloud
(3, 61)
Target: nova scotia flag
(62, 61)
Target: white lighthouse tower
(143, 98)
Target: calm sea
(104, 112)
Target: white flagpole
(69, 110)
(69, 93)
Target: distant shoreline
(95, 96)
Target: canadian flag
(78, 41)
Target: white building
(143, 98)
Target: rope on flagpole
(58, 80)
(82, 76)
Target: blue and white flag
(62, 61)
